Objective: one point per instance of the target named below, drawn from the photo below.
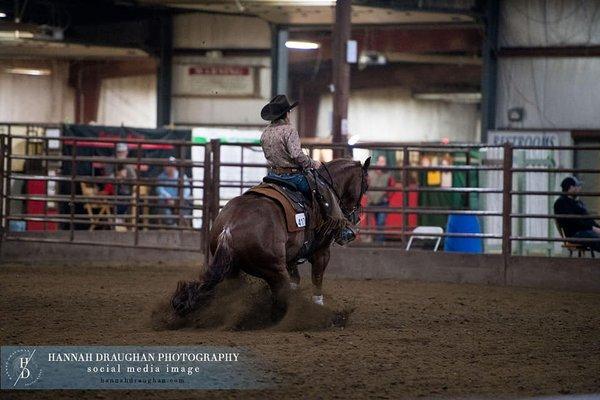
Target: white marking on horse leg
(318, 300)
(294, 286)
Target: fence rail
(82, 200)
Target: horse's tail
(191, 295)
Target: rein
(350, 215)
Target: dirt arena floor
(402, 340)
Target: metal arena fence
(46, 185)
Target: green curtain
(451, 200)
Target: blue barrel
(463, 224)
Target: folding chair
(580, 248)
(422, 232)
(95, 210)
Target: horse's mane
(340, 164)
(340, 170)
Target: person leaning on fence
(123, 172)
(168, 190)
(379, 178)
(281, 145)
(568, 203)
(121, 153)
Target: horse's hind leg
(279, 281)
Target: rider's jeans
(335, 212)
(299, 180)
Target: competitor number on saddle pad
(300, 220)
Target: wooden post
(242, 148)
(115, 204)
(215, 145)
(2, 177)
(9, 149)
(405, 182)
(507, 205)
(46, 154)
(214, 176)
(206, 200)
(180, 186)
(137, 203)
(73, 189)
(341, 72)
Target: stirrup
(345, 236)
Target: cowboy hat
(277, 108)
(122, 147)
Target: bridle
(353, 215)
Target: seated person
(169, 195)
(568, 203)
(124, 172)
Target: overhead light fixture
(301, 45)
(20, 31)
(2, 14)
(28, 71)
(295, 3)
(15, 35)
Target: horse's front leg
(319, 262)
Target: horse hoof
(318, 300)
(294, 286)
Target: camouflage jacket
(281, 145)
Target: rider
(285, 159)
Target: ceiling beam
(553, 51)
(416, 77)
(462, 7)
(392, 40)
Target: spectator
(123, 189)
(568, 203)
(378, 179)
(122, 172)
(121, 153)
(169, 194)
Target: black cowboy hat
(277, 108)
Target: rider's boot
(343, 231)
(345, 235)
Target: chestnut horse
(250, 235)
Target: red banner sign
(219, 70)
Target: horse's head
(351, 182)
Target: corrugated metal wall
(41, 99)
(200, 32)
(555, 92)
(128, 101)
(391, 114)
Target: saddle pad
(288, 208)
